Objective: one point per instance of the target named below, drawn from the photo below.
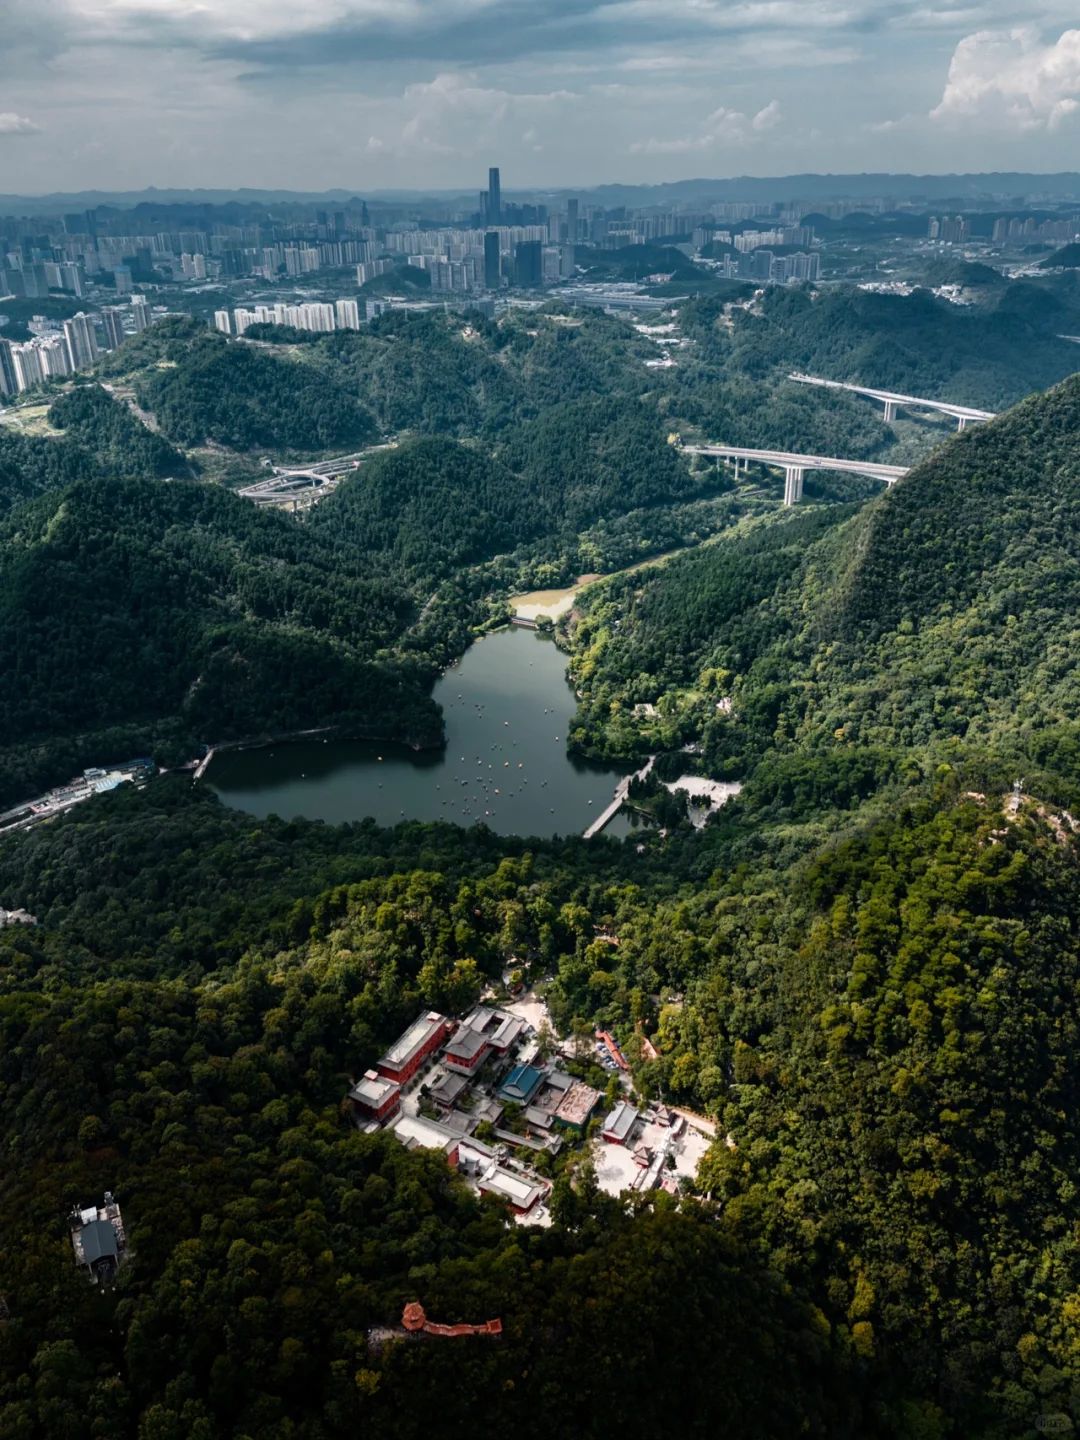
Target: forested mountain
(428, 508)
(937, 622)
(240, 396)
(862, 970)
(139, 602)
(1067, 258)
(120, 443)
(431, 506)
(101, 438)
(989, 355)
(30, 464)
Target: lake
(507, 707)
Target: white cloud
(12, 124)
(722, 127)
(1012, 78)
(769, 118)
(455, 114)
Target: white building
(81, 340)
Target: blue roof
(521, 1084)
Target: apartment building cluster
(1017, 231)
(321, 317)
(59, 349)
(762, 264)
(949, 229)
(474, 259)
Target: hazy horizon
(380, 94)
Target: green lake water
(507, 707)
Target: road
(622, 790)
(310, 483)
(788, 460)
(894, 400)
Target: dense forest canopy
(988, 355)
(937, 622)
(862, 971)
(242, 397)
(134, 602)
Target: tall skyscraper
(572, 221)
(492, 260)
(140, 312)
(9, 384)
(528, 264)
(113, 326)
(29, 370)
(53, 356)
(494, 205)
(71, 278)
(81, 340)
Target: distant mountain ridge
(809, 185)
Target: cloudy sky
(368, 94)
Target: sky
(380, 94)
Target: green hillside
(136, 603)
(989, 355)
(427, 508)
(31, 464)
(101, 437)
(432, 506)
(1067, 258)
(242, 397)
(935, 623)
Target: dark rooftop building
(466, 1052)
(98, 1239)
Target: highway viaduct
(964, 415)
(795, 466)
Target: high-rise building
(9, 384)
(494, 194)
(81, 340)
(35, 281)
(572, 221)
(348, 315)
(71, 278)
(113, 325)
(29, 370)
(140, 313)
(492, 260)
(53, 354)
(528, 264)
(222, 322)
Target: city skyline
(366, 94)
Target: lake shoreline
(503, 761)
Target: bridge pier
(793, 483)
(890, 411)
(961, 422)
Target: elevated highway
(290, 483)
(893, 400)
(795, 466)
